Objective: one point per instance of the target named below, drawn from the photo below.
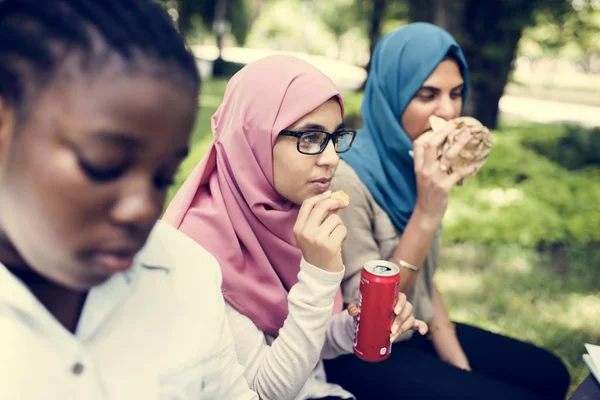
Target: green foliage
(572, 147)
(210, 99)
(574, 34)
(526, 198)
(338, 15)
(237, 13)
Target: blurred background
(522, 254)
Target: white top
(289, 366)
(157, 331)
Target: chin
(82, 282)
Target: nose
(446, 108)
(329, 157)
(139, 206)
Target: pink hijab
(229, 205)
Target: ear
(7, 125)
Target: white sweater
(157, 331)
(289, 366)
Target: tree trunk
(184, 11)
(377, 12)
(488, 32)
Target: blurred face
(440, 95)
(299, 176)
(84, 179)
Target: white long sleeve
(280, 370)
(339, 339)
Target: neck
(63, 303)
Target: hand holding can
(383, 314)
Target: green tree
(339, 16)
(489, 33)
(575, 35)
(237, 14)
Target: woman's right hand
(320, 232)
(434, 184)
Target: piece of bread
(340, 194)
(475, 152)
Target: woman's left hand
(404, 320)
(449, 348)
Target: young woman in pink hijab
(259, 202)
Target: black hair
(36, 36)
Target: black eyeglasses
(314, 141)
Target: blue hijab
(402, 62)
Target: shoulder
(181, 255)
(347, 179)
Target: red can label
(379, 282)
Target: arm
(234, 385)
(361, 245)
(339, 339)
(280, 370)
(413, 247)
(444, 336)
(433, 189)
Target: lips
(322, 181)
(321, 185)
(114, 259)
(113, 262)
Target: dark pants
(503, 369)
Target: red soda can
(379, 282)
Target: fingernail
(395, 328)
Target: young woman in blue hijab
(397, 205)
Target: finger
(421, 327)
(450, 155)
(409, 323)
(398, 329)
(321, 211)
(338, 236)
(405, 313)
(433, 145)
(353, 310)
(400, 303)
(307, 207)
(418, 156)
(458, 175)
(328, 226)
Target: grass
(210, 98)
(550, 298)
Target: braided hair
(37, 36)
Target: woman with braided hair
(97, 299)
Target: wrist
(435, 329)
(425, 222)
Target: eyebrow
(318, 127)
(435, 90)
(130, 142)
